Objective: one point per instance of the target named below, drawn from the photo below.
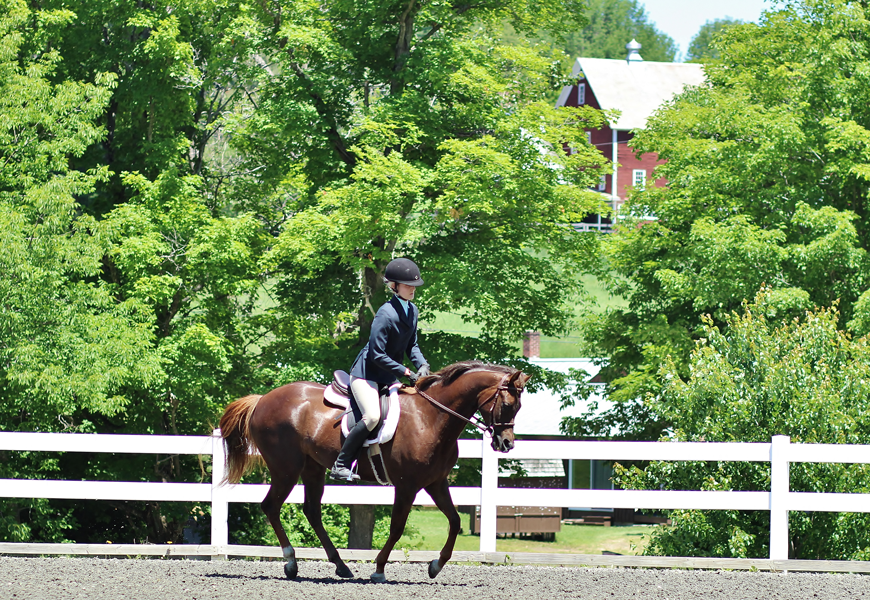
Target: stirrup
(342, 474)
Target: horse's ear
(519, 379)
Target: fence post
(220, 508)
(488, 491)
(779, 486)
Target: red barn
(636, 88)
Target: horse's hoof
(291, 569)
(434, 569)
(343, 571)
(379, 578)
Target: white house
(542, 414)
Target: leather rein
(501, 387)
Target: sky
(681, 19)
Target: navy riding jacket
(394, 334)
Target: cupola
(633, 48)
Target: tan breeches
(369, 400)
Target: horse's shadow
(330, 580)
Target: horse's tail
(235, 430)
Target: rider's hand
(423, 371)
(413, 377)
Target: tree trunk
(374, 294)
(403, 47)
(362, 526)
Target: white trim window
(638, 179)
(602, 183)
(581, 94)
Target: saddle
(339, 395)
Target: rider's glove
(423, 371)
(413, 377)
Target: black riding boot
(356, 437)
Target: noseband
(501, 387)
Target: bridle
(475, 420)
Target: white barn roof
(636, 88)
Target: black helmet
(402, 270)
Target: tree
(172, 247)
(131, 317)
(69, 353)
(244, 172)
(767, 167)
(442, 146)
(703, 46)
(612, 24)
(433, 144)
(754, 378)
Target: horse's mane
(451, 373)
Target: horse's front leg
(401, 509)
(440, 494)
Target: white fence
(779, 500)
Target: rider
(393, 335)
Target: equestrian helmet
(403, 270)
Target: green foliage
(703, 47)
(252, 527)
(860, 323)
(756, 377)
(69, 353)
(383, 516)
(28, 519)
(197, 200)
(65, 344)
(468, 201)
(610, 25)
(197, 274)
(766, 186)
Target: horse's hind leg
(440, 494)
(282, 484)
(313, 479)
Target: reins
(502, 386)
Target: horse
(297, 435)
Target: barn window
(581, 94)
(638, 178)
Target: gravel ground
(50, 578)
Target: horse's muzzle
(502, 442)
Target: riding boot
(356, 437)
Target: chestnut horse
(297, 434)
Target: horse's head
(494, 389)
(500, 411)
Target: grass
(562, 347)
(573, 539)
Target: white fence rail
(779, 500)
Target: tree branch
(335, 138)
